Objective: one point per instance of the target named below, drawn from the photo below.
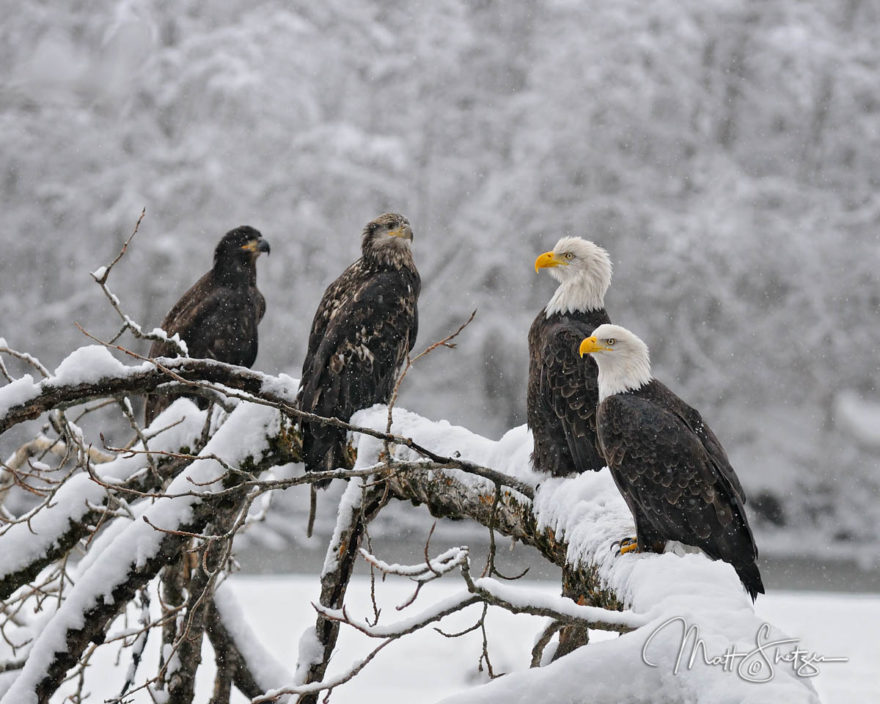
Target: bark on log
(447, 497)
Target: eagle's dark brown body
(676, 478)
(364, 327)
(218, 316)
(563, 393)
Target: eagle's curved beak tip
(588, 345)
(545, 260)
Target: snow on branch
(135, 555)
(425, 571)
(50, 530)
(185, 486)
(92, 372)
(576, 523)
(254, 669)
(360, 503)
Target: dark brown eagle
(669, 466)
(562, 390)
(217, 318)
(364, 327)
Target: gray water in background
(790, 574)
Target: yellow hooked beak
(404, 232)
(548, 260)
(590, 345)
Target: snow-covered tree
(129, 546)
(724, 151)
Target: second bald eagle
(669, 466)
(563, 391)
(364, 327)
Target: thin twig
(25, 357)
(445, 342)
(101, 275)
(103, 278)
(5, 372)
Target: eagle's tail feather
(323, 450)
(751, 578)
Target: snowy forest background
(725, 152)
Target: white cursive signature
(756, 665)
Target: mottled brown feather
(365, 325)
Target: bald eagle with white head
(562, 390)
(667, 463)
(364, 327)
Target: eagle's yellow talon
(627, 545)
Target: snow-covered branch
(207, 466)
(576, 523)
(252, 669)
(134, 555)
(92, 372)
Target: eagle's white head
(583, 270)
(622, 358)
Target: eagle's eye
(568, 255)
(610, 341)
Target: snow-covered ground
(427, 667)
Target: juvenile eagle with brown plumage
(364, 327)
(562, 390)
(217, 318)
(670, 468)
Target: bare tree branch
(102, 274)
(445, 342)
(24, 357)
